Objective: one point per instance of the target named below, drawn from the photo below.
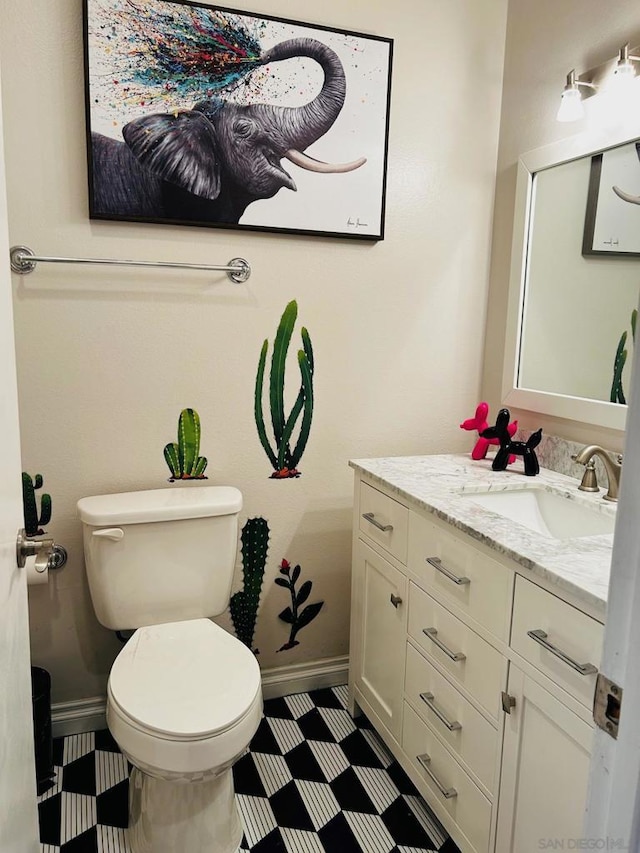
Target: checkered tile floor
(314, 781)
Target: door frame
(612, 814)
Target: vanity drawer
(469, 660)
(576, 639)
(464, 576)
(384, 520)
(465, 803)
(467, 733)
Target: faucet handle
(589, 481)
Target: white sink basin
(549, 513)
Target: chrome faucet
(613, 468)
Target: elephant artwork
(206, 162)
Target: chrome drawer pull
(395, 600)
(369, 516)
(540, 637)
(447, 793)
(432, 634)
(436, 562)
(427, 698)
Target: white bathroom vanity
(476, 640)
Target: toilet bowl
(183, 702)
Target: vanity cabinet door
(382, 642)
(545, 766)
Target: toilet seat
(184, 681)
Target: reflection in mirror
(572, 294)
(578, 307)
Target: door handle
(395, 600)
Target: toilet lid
(185, 680)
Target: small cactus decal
(285, 455)
(33, 523)
(293, 615)
(617, 391)
(244, 604)
(182, 458)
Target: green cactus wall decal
(617, 391)
(283, 458)
(293, 615)
(244, 604)
(32, 523)
(182, 458)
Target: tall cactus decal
(283, 458)
(32, 523)
(244, 604)
(617, 391)
(182, 458)
(293, 615)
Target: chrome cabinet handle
(370, 517)
(447, 793)
(395, 600)
(427, 698)
(437, 563)
(540, 637)
(432, 634)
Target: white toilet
(184, 696)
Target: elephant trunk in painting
(302, 126)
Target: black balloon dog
(517, 448)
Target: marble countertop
(579, 567)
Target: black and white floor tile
(314, 781)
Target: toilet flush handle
(114, 533)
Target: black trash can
(43, 742)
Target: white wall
(107, 359)
(545, 40)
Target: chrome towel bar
(24, 261)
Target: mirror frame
(596, 412)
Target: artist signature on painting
(355, 223)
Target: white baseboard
(88, 715)
(82, 715)
(301, 677)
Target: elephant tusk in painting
(632, 199)
(313, 165)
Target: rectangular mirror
(571, 301)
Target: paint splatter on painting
(172, 53)
(156, 55)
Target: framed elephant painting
(199, 115)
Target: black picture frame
(203, 149)
(612, 216)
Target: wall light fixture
(616, 76)
(571, 108)
(624, 72)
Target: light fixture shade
(624, 75)
(571, 107)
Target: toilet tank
(161, 555)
